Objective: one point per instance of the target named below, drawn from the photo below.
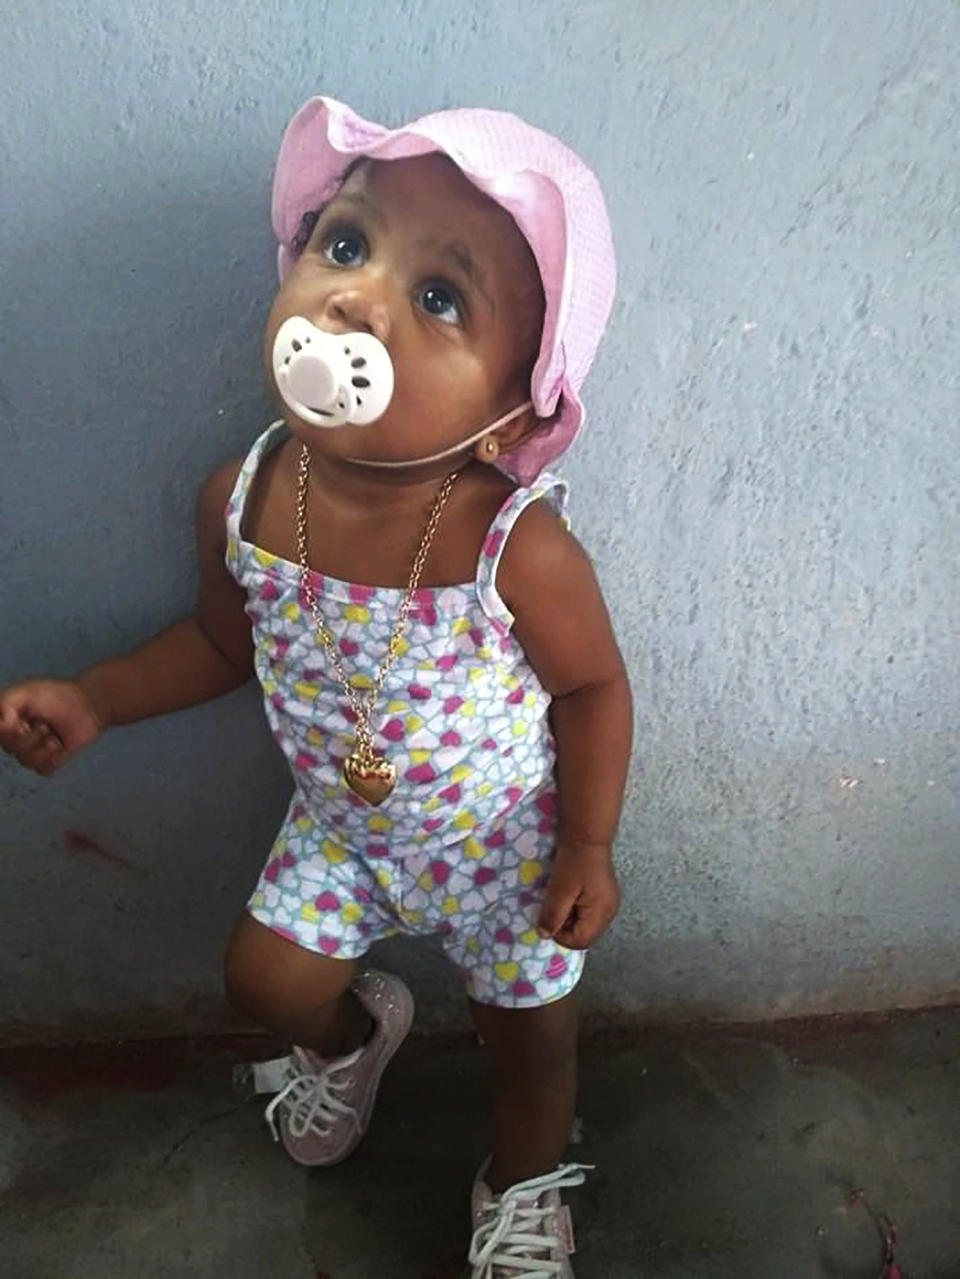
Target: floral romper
(463, 846)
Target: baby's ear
(487, 449)
(510, 436)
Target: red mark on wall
(41, 1076)
(80, 843)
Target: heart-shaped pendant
(371, 779)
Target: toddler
(392, 560)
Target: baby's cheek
(431, 413)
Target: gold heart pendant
(372, 780)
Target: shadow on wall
(152, 300)
(131, 369)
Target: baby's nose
(355, 309)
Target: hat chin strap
(457, 448)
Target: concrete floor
(719, 1152)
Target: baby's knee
(245, 979)
(531, 1040)
(269, 979)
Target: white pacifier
(330, 379)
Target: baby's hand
(582, 895)
(45, 721)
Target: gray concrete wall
(769, 483)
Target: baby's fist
(582, 896)
(45, 721)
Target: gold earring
(489, 450)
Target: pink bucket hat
(554, 198)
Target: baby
(391, 559)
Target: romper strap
(263, 444)
(546, 488)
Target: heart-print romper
(463, 845)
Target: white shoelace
(311, 1097)
(515, 1232)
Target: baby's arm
(549, 585)
(43, 722)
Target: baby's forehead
(434, 171)
(429, 193)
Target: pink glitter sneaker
(324, 1107)
(526, 1232)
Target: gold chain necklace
(368, 773)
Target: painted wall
(769, 484)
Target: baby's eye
(345, 248)
(442, 302)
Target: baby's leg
(534, 1054)
(302, 996)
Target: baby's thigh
(266, 971)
